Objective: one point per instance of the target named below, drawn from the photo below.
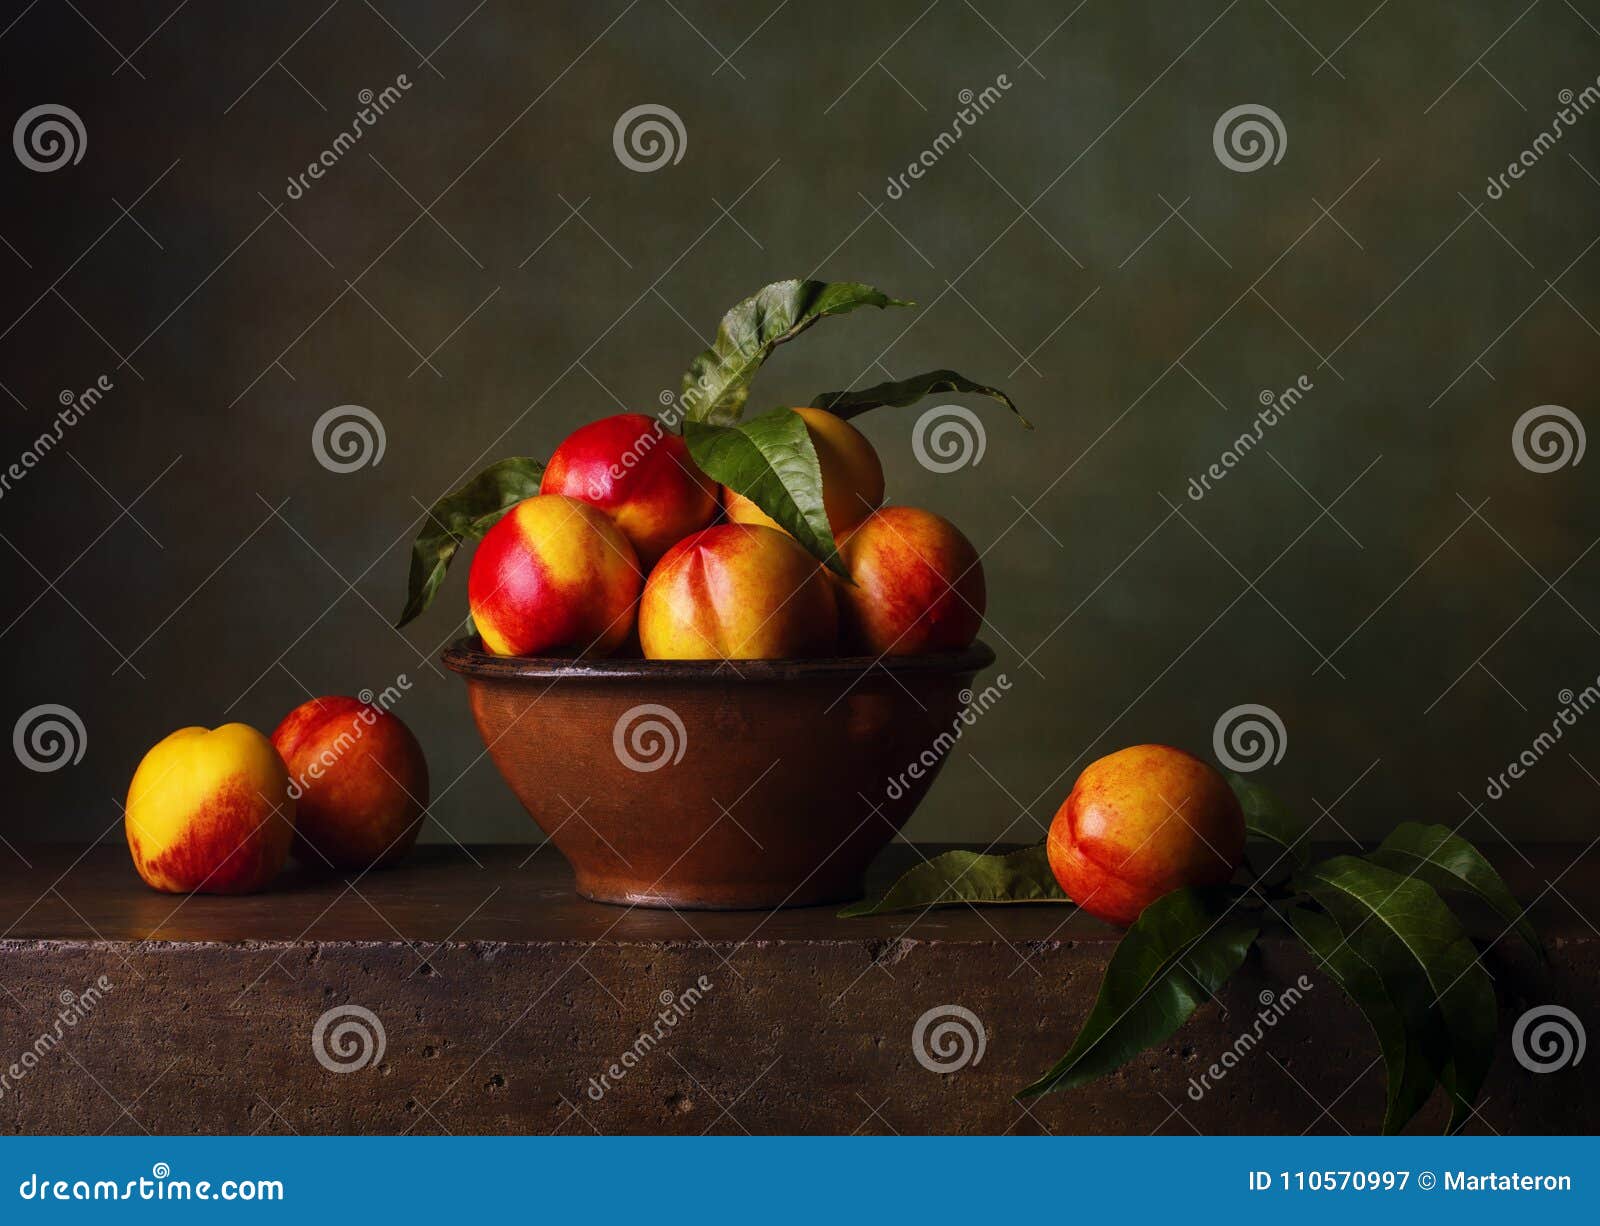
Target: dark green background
(1427, 317)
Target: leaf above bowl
(717, 383)
(460, 518)
(905, 392)
(771, 461)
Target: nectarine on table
(1140, 823)
(918, 585)
(359, 780)
(631, 468)
(209, 811)
(554, 577)
(737, 592)
(852, 476)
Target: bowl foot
(717, 897)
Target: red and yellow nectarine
(209, 811)
(554, 577)
(918, 585)
(641, 476)
(359, 781)
(737, 592)
(1141, 823)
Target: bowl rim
(467, 657)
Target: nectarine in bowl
(719, 784)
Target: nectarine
(852, 476)
(631, 468)
(209, 811)
(918, 584)
(737, 592)
(359, 781)
(1141, 823)
(553, 577)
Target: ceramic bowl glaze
(719, 784)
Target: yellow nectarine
(209, 811)
(737, 592)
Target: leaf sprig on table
(1378, 924)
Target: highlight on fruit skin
(554, 577)
(359, 779)
(738, 592)
(852, 475)
(918, 585)
(629, 466)
(210, 811)
(1140, 823)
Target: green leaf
(1180, 950)
(1404, 930)
(717, 382)
(771, 461)
(1266, 819)
(1410, 1073)
(909, 391)
(460, 518)
(968, 876)
(1448, 862)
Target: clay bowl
(718, 785)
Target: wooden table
(505, 1001)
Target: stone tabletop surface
(501, 1003)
